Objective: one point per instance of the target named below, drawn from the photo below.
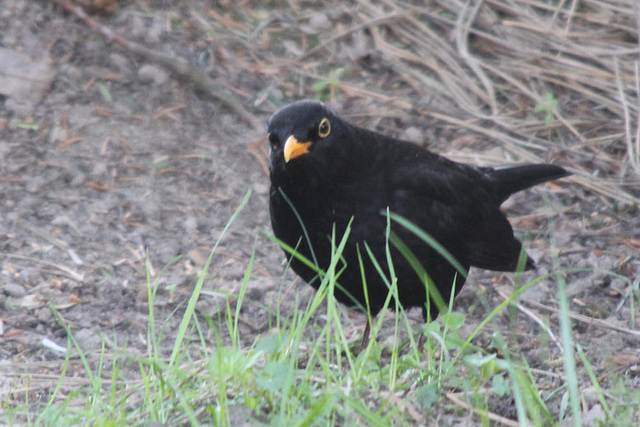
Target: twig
(537, 320)
(462, 38)
(177, 66)
(493, 417)
(367, 24)
(72, 274)
(61, 244)
(586, 319)
(257, 152)
(633, 153)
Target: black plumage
(332, 173)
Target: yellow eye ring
(324, 128)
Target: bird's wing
(456, 207)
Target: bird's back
(457, 204)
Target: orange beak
(293, 148)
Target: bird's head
(299, 129)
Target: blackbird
(328, 176)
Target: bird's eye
(324, 128)
(273, 141)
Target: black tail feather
(511, 179)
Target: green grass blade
(186, 319)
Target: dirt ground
(108, 159)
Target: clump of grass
(548, 106)
(287, 378)
(329, 88)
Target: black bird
(327, 174)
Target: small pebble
(412, 134)
(190, 224)
(318, 23)
(87, 340)
(44, 315)
(119, 62)
(152, 74)
(14, 290)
